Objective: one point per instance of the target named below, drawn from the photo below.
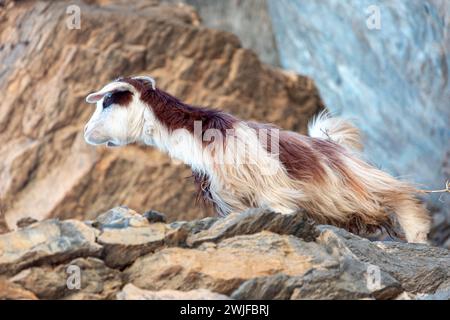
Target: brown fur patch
(295, 153)
(122, 98)
(332, 154)
(175, 114)
(300, 160)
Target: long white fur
(244, 174)
(339, 130)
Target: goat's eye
(107, 100)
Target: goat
(237, 168)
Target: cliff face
(391, 77)
(253, 255)
(47, 69)
(250, 20)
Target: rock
(347, 281)
(123, 246)
(223, 267)
(125, 235)
(131, 292)
(48, 170)
(96, 280)
(260, 266)
(182, 230)
(12, 291)
(418, 268)
(441, 293)
(195, 226)
(260, 255)
(253, 221)
(120, 218)
(51, 241)
(249, 20)
(155, 216)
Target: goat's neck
(180, 144)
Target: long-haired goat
(240, 164)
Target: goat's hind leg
(414, 220)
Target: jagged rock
(419, 268)
(253, 221)
(12, 291)
(441, 293)
(51, 241)
(260, 266)
(260, 255)
(96, 280)
(249, 20)
(48, 170)
(126, 235)
(349, 280)
(195, 226)
(223, 267)
(123, 246)
(155, 216)
(131, 292)
(120, 218)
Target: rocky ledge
(253, 255)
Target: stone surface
(46, 71)
(131, 292)
(419, 268)
(393, 80)
(119, 218)
(250, 20)
(51, 241)
(223, 267)
(12, 291)
(253, 221)
(97, 280)
(125, 235)
(123, 246)
(258, 255)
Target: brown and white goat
(240, 164)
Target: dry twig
(447, 189)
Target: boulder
(253, 221)
(264, 265)
(12, 291)
(419, 268)
(48, 170)
(97, 281)
(51, 241)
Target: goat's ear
(109, 88)
(94, 97)
(148, 80)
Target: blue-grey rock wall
(394, 81)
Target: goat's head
(119, 114)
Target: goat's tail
(339, 130)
